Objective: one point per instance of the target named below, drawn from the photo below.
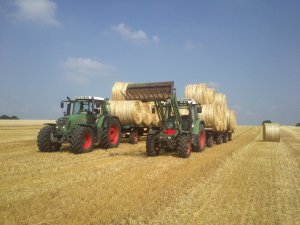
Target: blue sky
(246, 49)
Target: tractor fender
(106, 120)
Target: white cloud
(39, 11)
(155, 39)
(82, 70)
(188, 45)
(213, 84)
(138, 36)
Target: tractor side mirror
(153, 110)
(199, 109)
(62, 105)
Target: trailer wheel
(210, 141)
(82, 140)
(229, 136)
(133, 137)
(110, 137)
(184, 146)
(219, 139)
(225, 137)
(44, 140)
(199, 140)
(152, 147)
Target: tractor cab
(85, 105)
(189, 111)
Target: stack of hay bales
(214, 107)
(131, 112)
(271, 132)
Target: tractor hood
(68, 122)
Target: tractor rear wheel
(184, 146)
(219, 139)
(133, 137)
(152, 146)
(199, 140)
(44, 140)
(82, 140)
(111, 135)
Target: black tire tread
(182, 141)
(150, 145)
(44, 142)
(77, 138)
(105, 142)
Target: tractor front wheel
(44, 140)
(184, 146)
(152, 147)
(82, 140)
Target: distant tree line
(6, 117)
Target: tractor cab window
(98, 108)
(82, 107)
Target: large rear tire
(44, 140)
(82, 140)
(199, 140)
(184, 146)
(111, 135)
(152, 146)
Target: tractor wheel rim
(87, 141)
(202, 139)
(113, 135)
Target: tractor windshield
(81, 107)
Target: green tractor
(180, 128)
(87, 121)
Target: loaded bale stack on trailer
(135, 116)
(219, 121)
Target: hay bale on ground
(271, 132)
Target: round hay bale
(220, 99)
(271, 132)
(147, 115)
(231, 120)
(200, 93)
(128, 112)
(211, 94)
(155, 117)
(118, 89)
(214, 117)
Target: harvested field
(246, 181)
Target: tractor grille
(62, 122)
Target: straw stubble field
(246, 181)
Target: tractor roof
(89, 98)
(187, 101)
